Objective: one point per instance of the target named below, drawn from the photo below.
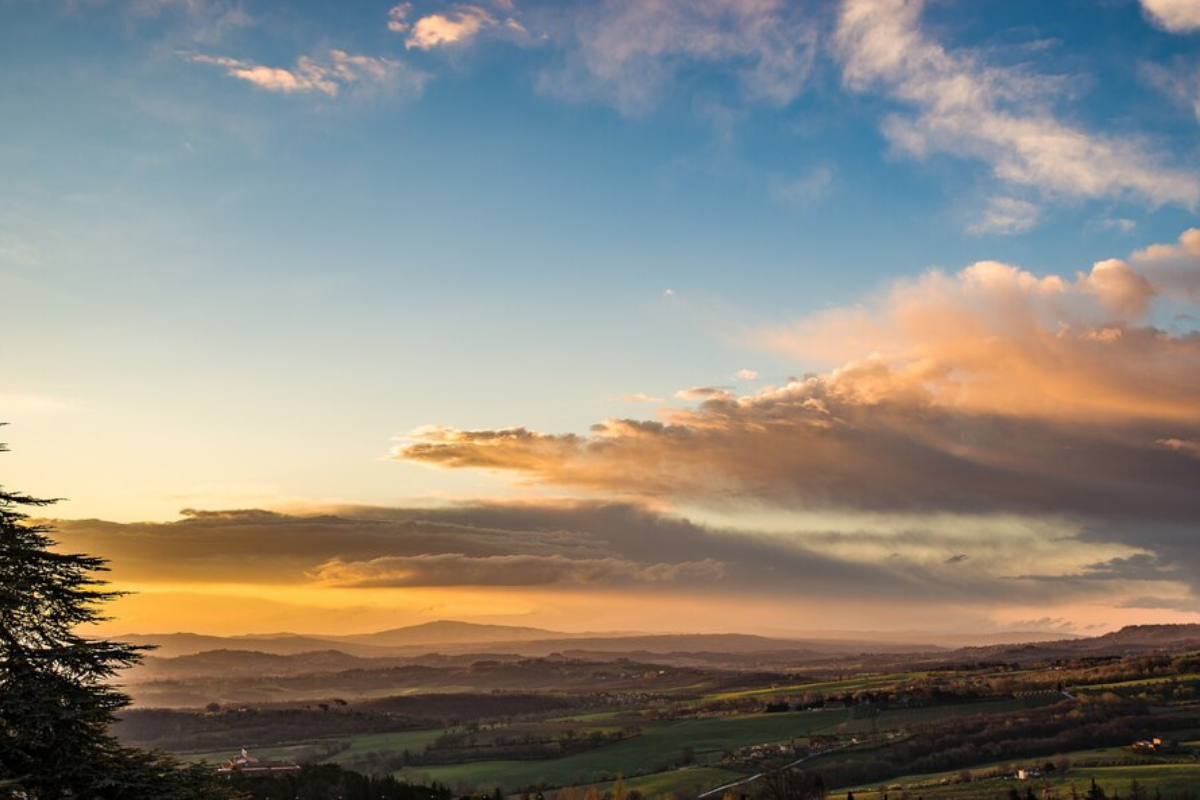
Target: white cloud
(439, 30)
(1176, 16)
(997, 115)
(746, 375)
(329, 77)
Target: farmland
(957, 730)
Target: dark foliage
(188, 730)
(790, 784)
(55, 703)
(330, 780)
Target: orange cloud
(456, 569)
(990, 389)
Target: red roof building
(246, 764)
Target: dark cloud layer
(600, 547)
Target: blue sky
(244, 245)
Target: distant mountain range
(452, 637)
(190, 669)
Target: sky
(616, 315)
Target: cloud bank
(992, 390)
(616, 548)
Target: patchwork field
(660, 746)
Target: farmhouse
(247, 764)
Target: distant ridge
(174, 645)
(1130, 640)
(452, 632)
(452, 637)
(1153, 635)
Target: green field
(397, 741)
(330, 749)
(1156, 679)
(849, 684)
(650, 755)
(662, 784)
(659, 746)
(900, 717)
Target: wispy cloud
(329, 76)
(998, 115)
(628, 52)
(398, 17)
(1178, 80)
(1006, 215)
(203, 21)
(805, 190)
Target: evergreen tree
(55, 701)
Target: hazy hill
(729, 643)
(455, 639)
(913, 639)
(1130, 640)
(250, 663)
(451, 632)
(1151, 636)
(174, 645)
